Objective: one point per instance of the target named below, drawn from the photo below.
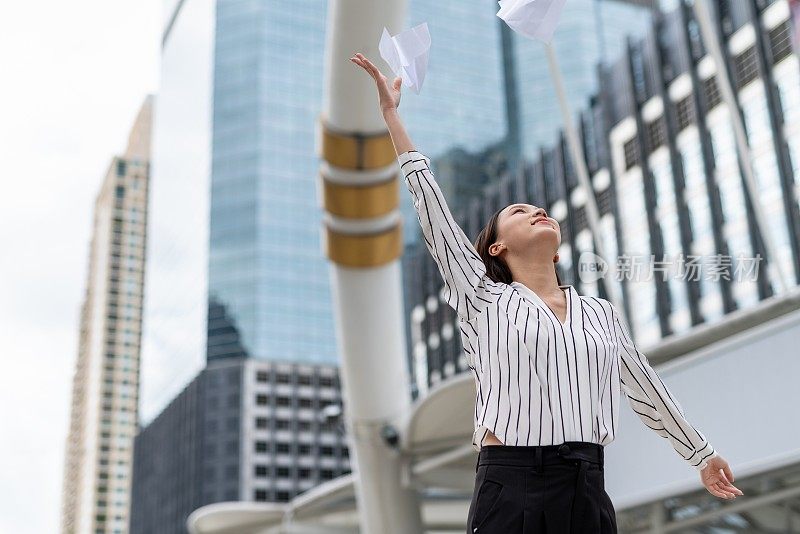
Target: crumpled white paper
(536, 19)
(407, 54)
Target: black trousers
(553, 489)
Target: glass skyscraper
(269, 293)
(268, 279)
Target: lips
(540, 220)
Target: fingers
(361, 64)
(718, 493)
(728, 473)
(367, 65)
(723, 489)
(727, 479)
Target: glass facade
(660, 149)
(268, 279)
(590, 31)
(173, 339)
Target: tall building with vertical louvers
(667, 178)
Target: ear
(495, 249)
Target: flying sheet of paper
(536, 19)
(407, 54)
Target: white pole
(363, 240)
(703, 16)
(579, 163)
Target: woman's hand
(717, 478)
(389, 98)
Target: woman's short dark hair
(496, 268)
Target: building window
(284, 401)
(261, 495)
(326, 381)
(746, 67)
(604, 201)
(580, 218)
(304, 473)
(282, 496)
(261, 399)
(282, 424)
(261, 422)
(261, 470)
(656, 133)
(304, 425)
(283, 378)
(780, 42)
(713, 97)
(282, 472)
(631, 150)
(304, 380)
(326, 474)
(685, 112)
(304, 449)
(326, 451)
(120, 168)
(262, 376)
(261, 446)
(304, 403)
(282, 447)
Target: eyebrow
(511, 207)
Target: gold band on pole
(360, 201)
(360, 152)
(356, 151)
(365, 250)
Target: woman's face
(522, 226)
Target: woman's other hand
(717, 478)
(389, 97)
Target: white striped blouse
(540, 381)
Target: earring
(555, 259)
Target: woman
(549, 364)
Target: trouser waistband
(582, 452)
(541, 455)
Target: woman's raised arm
(464, 273)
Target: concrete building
(105, 387)
(243, 429)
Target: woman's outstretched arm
(461, 267)
(656, 406)
(655, 403)
(388, 100)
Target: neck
(538, 274)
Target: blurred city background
(170, 354)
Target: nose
(540, 212)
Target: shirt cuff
(704, 452)
(411, 155)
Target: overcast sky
(74, 75)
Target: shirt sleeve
(464, 273)
(654, 402)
